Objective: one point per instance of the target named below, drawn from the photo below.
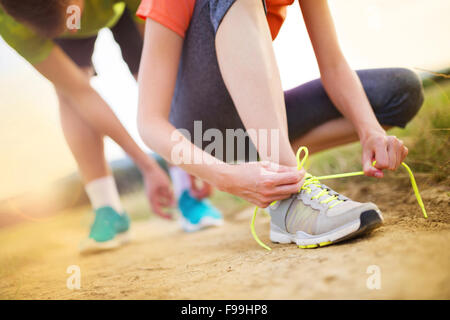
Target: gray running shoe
(319, 216)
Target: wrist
(222, 176)
(146, 163)
(367, 131)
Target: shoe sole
(368, 221)
(91, 246)
(124, 237)
(204, 223)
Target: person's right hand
(158, 190)
(263, 182)
(388, 151)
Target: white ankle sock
(103, 192)
(180, 181)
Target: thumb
(368, 168)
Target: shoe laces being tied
(312, 184)
(316, 190)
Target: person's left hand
(200, 189)
(388, 152)
(158, 190)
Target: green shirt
(97, 14)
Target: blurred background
(38, 174)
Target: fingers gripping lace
(311, 180)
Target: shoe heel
(278, 237)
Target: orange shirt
(276, 13)
(176, 14)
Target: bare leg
(251, 74)
(331, 134)
(84, 142)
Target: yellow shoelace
(312, 180)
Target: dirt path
(162, 262)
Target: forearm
(346, 91)
(157, 78)
(163, 138)
(339, 80)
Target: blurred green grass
(427, 137)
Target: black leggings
(395, 95)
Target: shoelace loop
(313, 180)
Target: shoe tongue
(315, 189)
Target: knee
(408, 88)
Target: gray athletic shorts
(125, 33)
(395, 94)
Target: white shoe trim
(90, 245)
(124, 237)
(204, 222)
(304, 239)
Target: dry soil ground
(164, 263)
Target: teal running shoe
(109, 230)
(197, 214)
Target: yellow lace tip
(264, 246)
(416, 189)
